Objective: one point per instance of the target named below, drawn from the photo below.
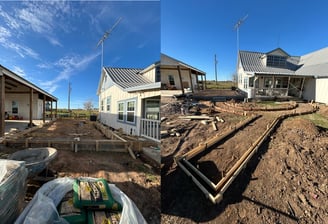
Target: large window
(276, 61)
(120, 111)
(108, 101)
(171, 80)
(130, 112)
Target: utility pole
(216, 76)
(104, 37)
(69, 97)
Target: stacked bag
(13, 176)
(91, 202)
(83, 200)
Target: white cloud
(69, 65)
(19, 71)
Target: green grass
(220, 84)
(317, 119)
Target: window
(14, 108)
(276, 61)
(171, 80)
(152, 109)
(120, 111)
(278, 83)
(251, 81)
(102, 105)
(245, 82)
(130, 111)
(108, 103)
(267, 82)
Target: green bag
(69, 212)
(104, 217)
(93, 194)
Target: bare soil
(136, 178)
(285, 181)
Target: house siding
(22, 102)
(321, 94)
(309, 89)
(175, 73)
(118, 95)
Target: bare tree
(88, 105)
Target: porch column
(51, 110)
(2, 105)
(179, 70)
(288, 85)
(197, 81)
(205, 86)
(56, 110)
(302, 85)
(31, 108)
(44, 109)
(191, 85)
(201, 77)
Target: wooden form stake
(227, 180)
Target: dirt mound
(300, 128)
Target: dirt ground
(286, 181)
(136, 178)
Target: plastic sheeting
(12, 189)
(43, 207)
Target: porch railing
(150, 129)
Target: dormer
(276, 58)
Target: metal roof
(17, 84)
(312, 64)
(127, 77)
(169, 61)
(252, 62)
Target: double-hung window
(121, 111)
(131, 106)
(108, 101)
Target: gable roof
(315, 63)
(126, 77)
(312, 64)
(169, 61)
(252, 62)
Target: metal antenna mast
(236, 27)
(104, 37)
(216, 76)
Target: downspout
(2, 104)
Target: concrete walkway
(19, 125)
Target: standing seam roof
(127, 77)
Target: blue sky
(53, 43)
(194, 30)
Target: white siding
(309, 89)
(321, 93)
(118, 95)
(150, 75)
(23, 105)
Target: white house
(129, 99)
(179, 76)
(277, 74)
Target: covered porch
(261, 86)
(13, 89)
(150, 121)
